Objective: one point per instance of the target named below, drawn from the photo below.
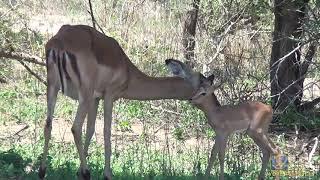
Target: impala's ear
(211, 78)
(203, 81)
(180, 69)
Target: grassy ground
(142, 148)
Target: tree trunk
(286, 72)
(189, 32)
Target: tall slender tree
(189, 32)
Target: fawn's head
(203, 85)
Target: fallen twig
(22, 129)
(158, 129)
(305, 147)
(316, 141)
(296, 136)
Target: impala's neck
(143, 87)
(210, 105)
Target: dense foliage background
(243, 42)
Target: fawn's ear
(182, 70)
(205, 82)
(211, 78)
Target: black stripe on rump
(54, 56)
(64, 66)
(47, 53)
(60, 73)
(73, 61)
(47, 57)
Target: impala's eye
(203, 94)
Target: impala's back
(237, 118)
(77, 54)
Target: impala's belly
(239, 125)
(109, 81)
(71, 90)
(229, 125)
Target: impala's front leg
(84, 102)
(108, 104)
(222, 140)
(213, 155)
(91, 122)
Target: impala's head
(203, 85)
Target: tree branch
(20, 56)
(100, 28)
(307, 106)
(92, 17)
(32, 73)
(308, 58)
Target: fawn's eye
(203, 94)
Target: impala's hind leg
(265, 157)
(52, 91)
(51, 101)
(85, 100)
(108, 105)
(91, 122)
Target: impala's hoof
(106, 178)
(42, 172)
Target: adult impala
(252, 117)
(87, 66)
